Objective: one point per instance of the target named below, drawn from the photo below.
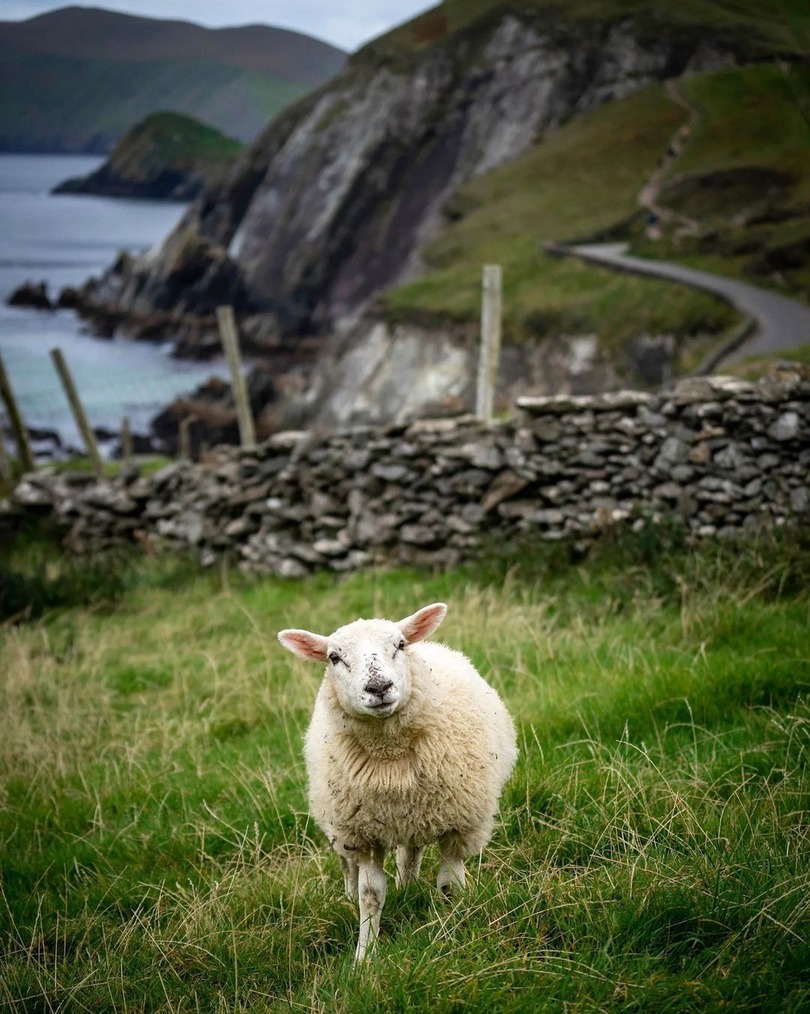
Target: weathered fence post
(126, 441)
(490, 353)
(24, 452)
(77, 409)
(230, 342)
(6, 473)
(184, 437)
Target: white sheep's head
(368, 659)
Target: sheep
(407, 746)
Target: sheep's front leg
(350, 874)
(372, 888)
(451, 866)
(409, 861)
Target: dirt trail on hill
(650, 192)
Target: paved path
(779, 322)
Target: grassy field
(653, 849)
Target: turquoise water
(62, 240)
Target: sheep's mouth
(380, 706)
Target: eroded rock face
(373, 373)
(333, 203)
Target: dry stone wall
(723, 455)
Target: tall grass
(653, 844)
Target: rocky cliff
(334, 201)
(337, 198)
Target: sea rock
(31, 294)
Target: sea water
(62, 240)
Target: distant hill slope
(167, 156)
(77, 79)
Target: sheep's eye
(400, 647)
(334, 658)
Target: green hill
(167, 155)
(76, 79)
(742, 177)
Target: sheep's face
(368, 659)
(368, 665)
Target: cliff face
(334, 201)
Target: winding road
(777, 322)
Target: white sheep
(408, 745)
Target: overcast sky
(348, 24)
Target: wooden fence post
(126, 441)
(490, 354)
(230, 342)
(6, 472)
(77, 409)
(24, 452)
(184, 437)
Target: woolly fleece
(431, 770)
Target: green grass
(652, 850)
(174, 137)
(174, 142)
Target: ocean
(62, 240)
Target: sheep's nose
(378, 687)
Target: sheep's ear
(304, 644)
(422, 623)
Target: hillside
(167, 156)
(739, 192)
(762, 28)
(742, 176)
(77, 78)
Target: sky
(347, 25)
